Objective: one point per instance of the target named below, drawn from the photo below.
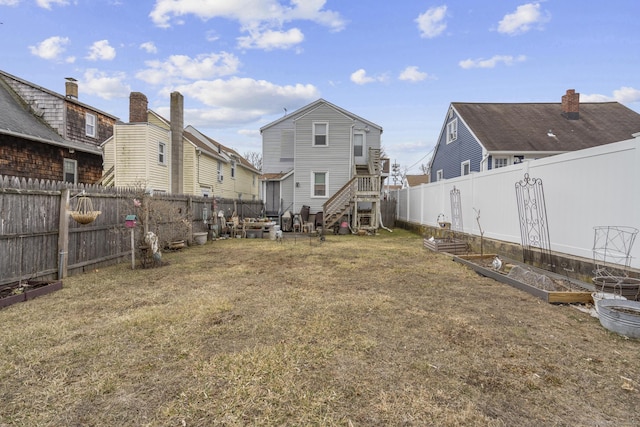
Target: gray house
(323, 160)
(482, 136)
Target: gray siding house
(482, 136)
(315, 158)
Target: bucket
(599, 296)
(272, 232)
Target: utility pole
(395, 168)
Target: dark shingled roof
(527, 127)
(16, 119)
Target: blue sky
(241, 63)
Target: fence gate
(456, 210)
(534, 229)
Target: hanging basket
(84, 213)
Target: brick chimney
(71, 88)
(571, 105)
(138, 105)
(176, 116)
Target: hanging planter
(84, 213)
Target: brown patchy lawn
(354, 331)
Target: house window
(452, 130)
(220, 177)
(162, 153)
(500, 162)
(319, 184)
(439, 175)
(90, 125)
(233, 169)
(320, 134)
(465, 168)
(358, 145)
(70, 171)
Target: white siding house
(310, 155)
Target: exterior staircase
(108, 178)
(363, 187)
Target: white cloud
(261, 20)
(523, 19)
(491, 62)
(360, 77)
(105, 86)
(248, 12)
(46, 4)
(431, 23)
(149, 47)
(271, 39)
(9, 2)
(101, 50)
(624, 95)
(51, 48)
(180, 67)
(241, 100)
(412, 74)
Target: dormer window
(90, 125)
(452, 130)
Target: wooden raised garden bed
(450, 245)
(558, 289)
(14, 293)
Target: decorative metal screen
(534, 229)
(456, 210)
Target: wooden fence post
(63, 234)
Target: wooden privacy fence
(39, 239)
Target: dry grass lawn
(353, 331)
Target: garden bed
(449, 245)
(546, 285)
(19, 292)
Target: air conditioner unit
(221, 178)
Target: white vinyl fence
(583, 189)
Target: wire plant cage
(612, 259)
(612, 250)
(84, 212)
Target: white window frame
(466, 163)
(162, 153)
(502, 159)
(355, 134)
(233, 169)
(90, 124)
(439, 175)
(313, 185)
(452, 130)
(74, 164)
(315, 134)
(220, 176)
